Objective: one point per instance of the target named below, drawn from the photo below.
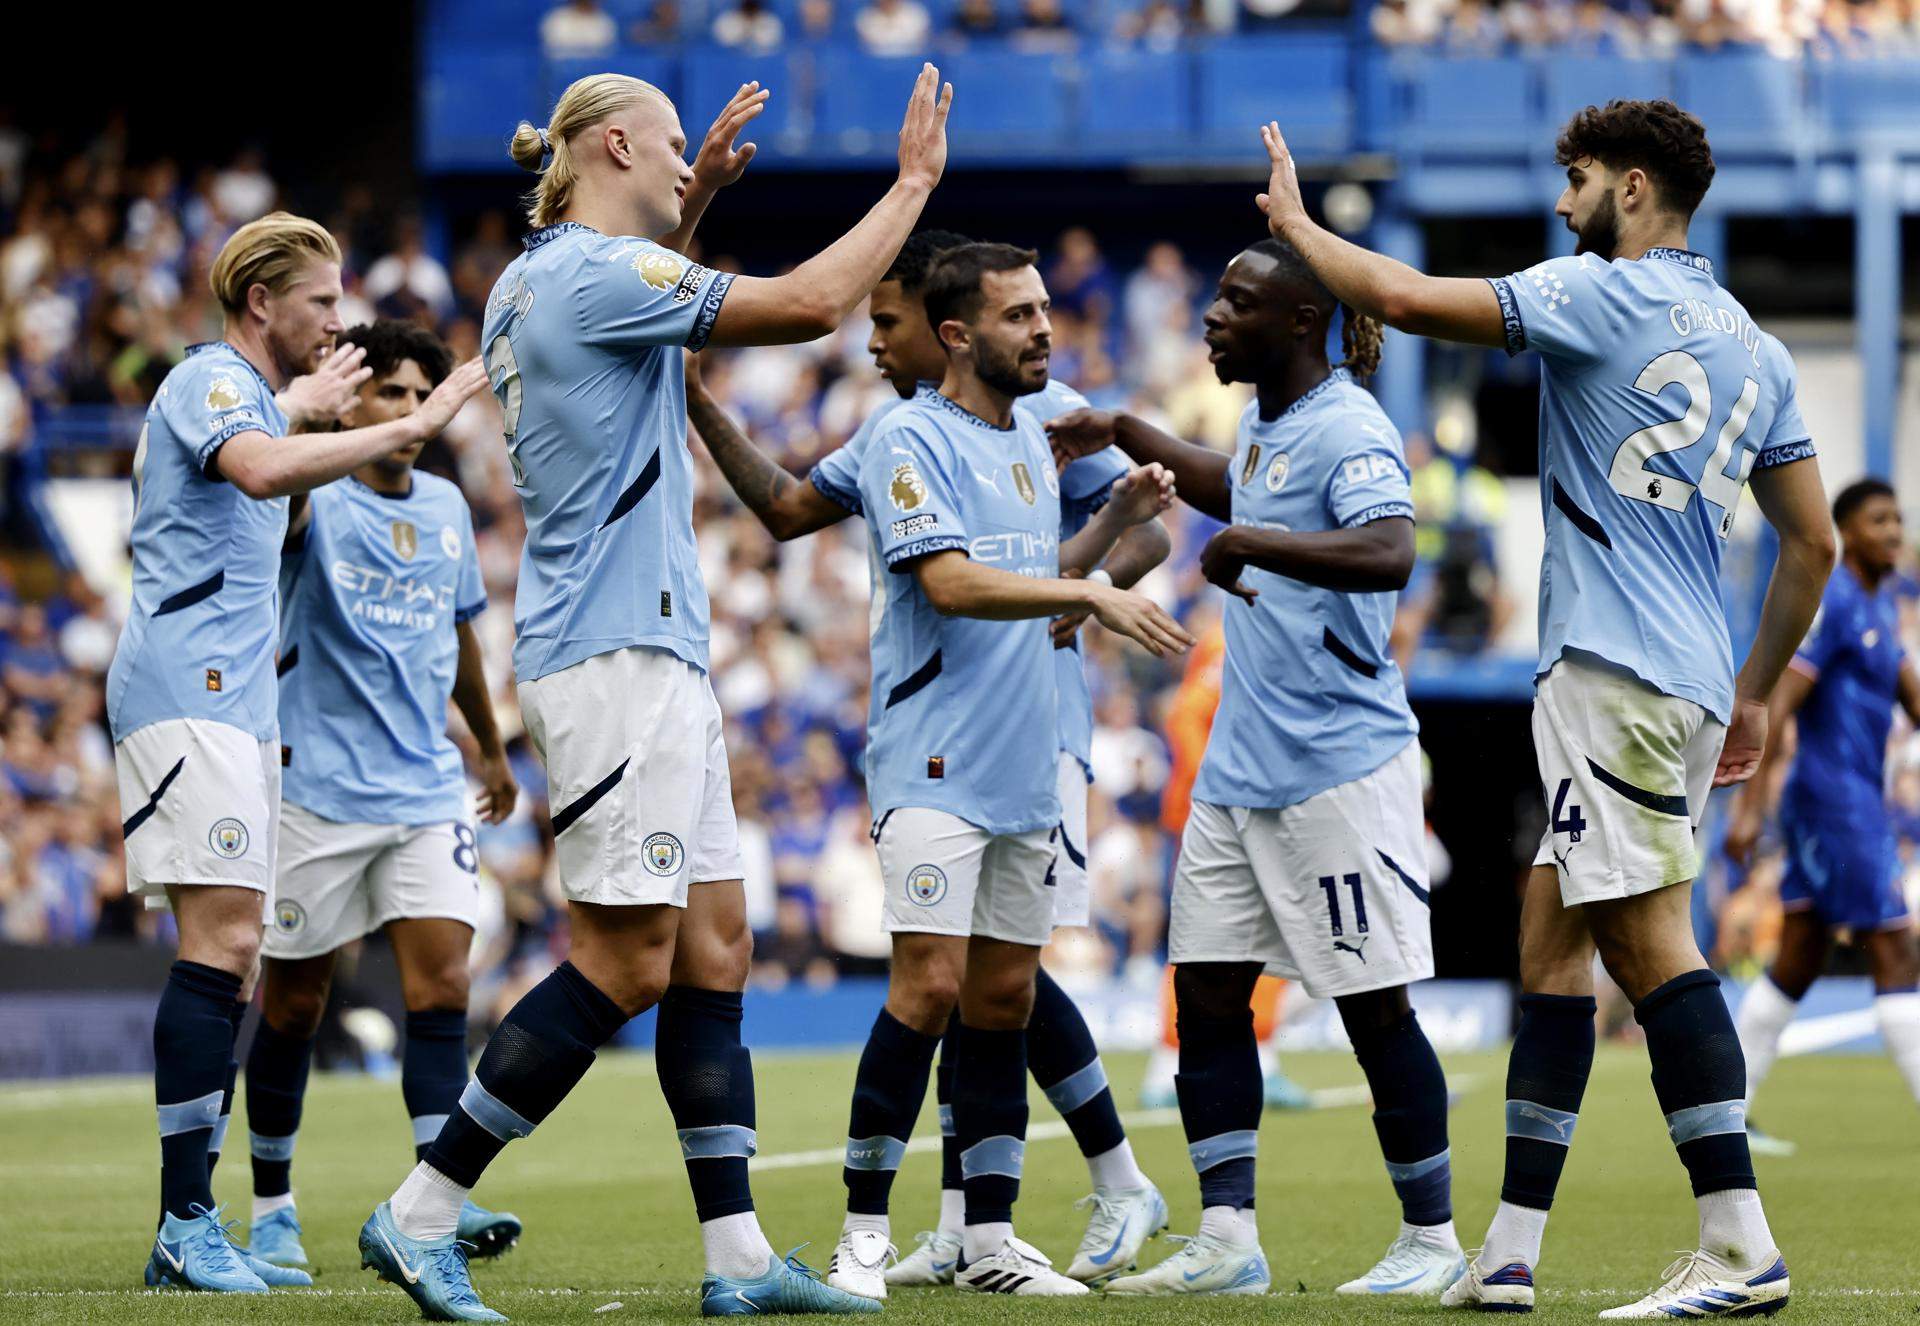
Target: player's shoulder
(872, 424)
(214, 376)
(1051, 401)
(439, 493)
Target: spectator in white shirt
(579, 27)
(893, 27)
(750, 25)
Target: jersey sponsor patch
(926, 885)
(908, 490)
(914, 525)
(1362, 468)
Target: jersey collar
(1700, 262)
(931, 395)
(368, 488)
(546, 234)
(1312, 394)
(204, 346)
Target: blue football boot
(788, 1286)
(198, 1253)
(432, 1272)
(490, 1232)
(275, 1239)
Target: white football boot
(1018, 1268)
(1505, 1288)
(931, 1263)
(859, 1263)
(1701, 1285)
(1123, 1220)
(1204, 1265)
(1420, 1261)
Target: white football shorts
(944, 876)
(637, 777)
(199, 804)
(1331, 892)
(338, 881)
(1626, 771)
(1072, 893)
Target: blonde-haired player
(584, 333)
(191, 696)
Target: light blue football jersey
(583, 334)
(1310, 697)
(963, 716)
(1085, 485)
(1658, 397)
(199, 637)
(370, 598)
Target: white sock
(873, 1222)
(735, 1246)
(1734, 1228)
(953, 1212)
(1441, 1235)
(1232, 1226)
(1116, 1168)
(427, 1204)
(985, 1240)
(1162, 1063)
(1514, 1236)
(266, 1206)
(1899, 1016)
(1764, 1014)
(1268, 1057)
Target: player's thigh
(1219, 914)
(433, 954)
(321, 896)
(198, 800)
(1015, 899)
(625, 950)
(714, 949)
(1556, 952)
(1072, 891)
(1345, 873)
(426, 872)
(1893, 958)
(930, 864)
(1645, 939)
(625, 736)
(997, 990)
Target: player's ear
(258, 299)
(1305, 319)
(954, 335)
(618, 147)
(1636, 188)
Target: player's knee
(1373, 1010)
(924, 998)
(1556, 969)
(237, 943)
(1214, 989)
(444, 987)
(294, 1010)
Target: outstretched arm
(1449, 308)
(958, 586)
(1137, 498)
(787, 506)
(1199, 474)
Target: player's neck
(1869, 578)
(1664, 236)
(977, 398)
(600, 216)
(1295, 380)
(384, 482)
(250, 341)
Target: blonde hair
(274, 251)
(585, 103)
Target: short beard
(1601, 233)
(1003, 374)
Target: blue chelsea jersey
(199, 637)
(1853, 656)
(372, 593)
(1085, 485)
(963, 713)
(1310, 697)
(583, 334)
(1659, 396)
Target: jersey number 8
(1629, 474)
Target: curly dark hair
(953, 286)
(390, 342)
(1856, 495)
(1655, 136)
(918, 255)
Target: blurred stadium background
(1117, 136)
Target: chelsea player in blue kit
(962, 506)
(1659, 399)
(930, 946)
(584, 333)
(191, 696)
(1843, 866)
(1305, 853)
(380, 583)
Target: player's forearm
(1370, 558)
(263, 467)
(1392, 292)
(1199, 473)
(1087, 549)
(1139, 550)
(471, 696)
(787, 506)
(1793, 597)
(957, 586)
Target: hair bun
(529, 147)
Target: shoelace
(1683, 1266)
(449, 1264)
(223, 1249)
(1107, 1213)
(793, 1263)
(1401, 1256)
(924, 1239)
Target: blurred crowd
(1652, 28)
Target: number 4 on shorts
(1567, 819)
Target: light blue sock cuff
(1697, 1121)
(218, 1142)
(1001, 1155)
(1076, 1089)
(875, 1153)
(946, 1121)
(1419, 1168)
(1222, 1147)
(189, 1115)
(426, 1127)
(1540, 1123)
(271, 1148)
(484, 1109)
(718, 1141)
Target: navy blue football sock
(1061, 1054)
(277, 1067)
(218, 1142)
(1546, 1077)
(433, 1071)
(1220, 1101)
(192, 1046)
(990, 1118)
(1410, 1116)
(888, 1089)
(943, 1096)
(1700, 1076)
(707, 1077)
(540, 1050)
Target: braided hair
(1361, 337)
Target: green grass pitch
(610, 1232)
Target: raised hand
(1079, 433)
(923, 135)
(437, 411)
(1281, 202)
(1143, 493)
(317, 400)
(718, 163)
(1142, 620)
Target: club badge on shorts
(926, 885)
(289, 917)
(228, 837)
(661, 853)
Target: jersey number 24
(1629, 474)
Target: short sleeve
(1787, 439)
(1557, 307)
(909, 497)
(633, 294)
(837, 476)
(1087, 483)
(470, 599)
(1370, 481)
(213, 406)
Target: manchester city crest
(1023, 482)
(449, 541)
(228, 837)
(289, 917)
(926, 885)
(661, 853)
(406, 539)
(1277, 472)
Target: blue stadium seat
(1466, 104)
(710, 75)
(499, 22)
(1133, 97)
(1871, 98)
(858, 103)
(1301, 81)
(1019, 101)
(1575, 82)
(1750, 102)
(471, 97)
(649, 66)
